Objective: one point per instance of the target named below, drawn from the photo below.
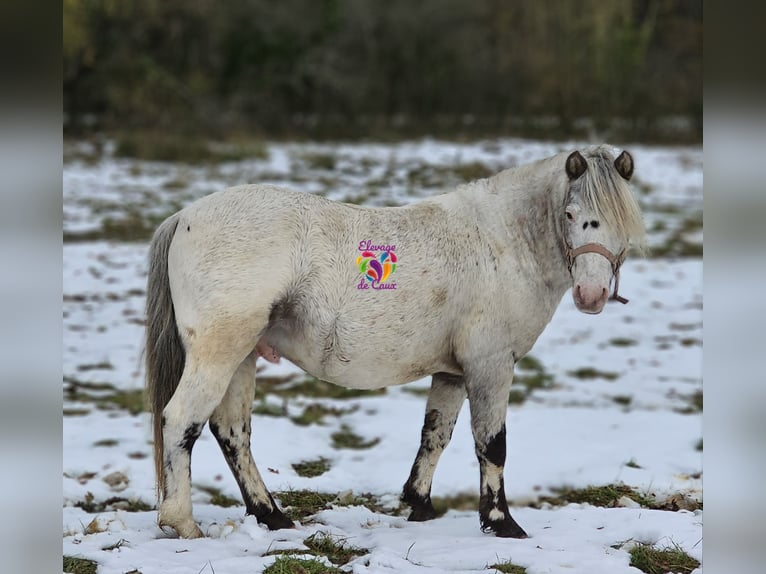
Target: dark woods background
(371, 68)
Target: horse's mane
(605, 191)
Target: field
(604, 417)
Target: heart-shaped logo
(377, 269)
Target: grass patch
(78, 391)
(695, 403)
(532, 376)
(677, 244)
(602, 496)
(312, 468)
(74, 565)
(589, 373)
(460, 501)
(333, 547)
(217, 498)
(90, 506)
(347, 438)
(652, 560)
(324, 161)
(472, 171)
(622, 342)
(315, 413)
(623, 400)
(267, 409)
(106, 442)
(105, 365)
(133, 227)
(76, 412)
(509, 568)
(292, 565)
(314, 388)
(300, 504)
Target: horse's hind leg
(201, 388)
(230, 424)
(488, 385)
(444, 401)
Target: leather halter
(615, 260)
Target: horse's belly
(358, 364)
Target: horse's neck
(523, 215)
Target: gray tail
(165, 353)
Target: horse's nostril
(603, 292)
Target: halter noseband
(615, 260)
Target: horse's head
(602, 219)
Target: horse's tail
(165, 355)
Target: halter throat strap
(615, 260)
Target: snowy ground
(620, 403)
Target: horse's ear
(576, 165)
(624, 165)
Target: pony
(458, 286)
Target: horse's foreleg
(201, 388)
(488, 398)
(230, 424)
(444, 401)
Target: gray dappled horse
(262, 271)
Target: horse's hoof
(276, 520)
(183, 530)
(422, 513)
(506, 528)
(511, 531)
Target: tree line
(350, 67)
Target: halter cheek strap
(615, 260)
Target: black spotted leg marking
(230, 424)
(444, 401)
(201, 387)
(488, 399)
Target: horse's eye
(570, 217)
(594, 224)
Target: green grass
(334, 548)
(695, 403)
(622, 342)
(602, 496)
(92, 392)
(315, 413)
(292, 565)
(529, 375)
(89, 505)
(267, 409)
(460, 501)
(106, 442)
(217, 498)
(312, 468)
(161, 146)
(347, 438)
(623, 400)
(300, 504)
(74, 565)
(323, 161)
(652, 560)
(509, 568)
(314, 388)
(589, 373)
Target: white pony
(458, 286)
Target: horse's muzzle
(590, 298)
